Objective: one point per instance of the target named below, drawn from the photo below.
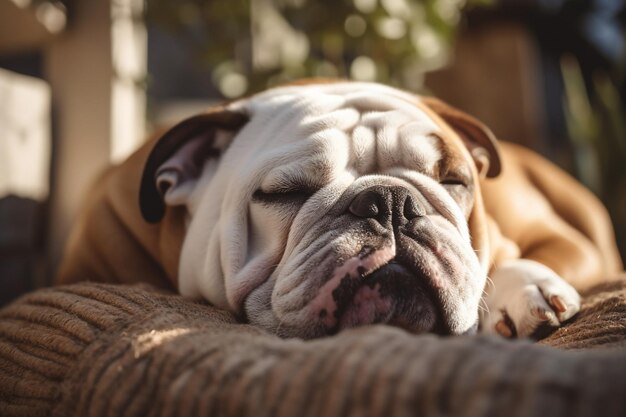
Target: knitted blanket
(111, 350)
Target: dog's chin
(391, 295)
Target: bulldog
(316, 207)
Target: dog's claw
(545, 316)
(557, 303)
(503, 329)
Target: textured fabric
(601, 322)
(106, 350)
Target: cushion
(112, 350)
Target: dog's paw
(524, 296)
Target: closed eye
(461, 191)
(453, 181)
(282, 196)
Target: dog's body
(340, 204)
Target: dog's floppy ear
(478, 138)
(177, 159)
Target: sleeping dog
(320, 206)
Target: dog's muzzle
(376, 286)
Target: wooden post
(98, 103)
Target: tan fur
(112, 243)
(539, 212)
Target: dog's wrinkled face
(334, 206)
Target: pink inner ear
(481, 158)
(185, 165)
(166, 179)
(484, 150)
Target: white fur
(341, 138)
(522, 290)
(333, 131)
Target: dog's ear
(478, 138)
(176, 161)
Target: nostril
(366, 205)
(411, 211)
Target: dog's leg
(525, 295)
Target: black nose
(383, 203)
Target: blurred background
(83, 82)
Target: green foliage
(248, 45)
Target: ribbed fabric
(103, 350)
(601, 322)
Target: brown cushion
(96, 350)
